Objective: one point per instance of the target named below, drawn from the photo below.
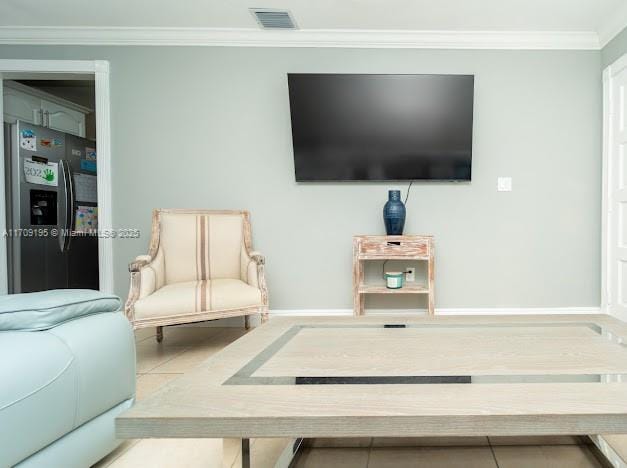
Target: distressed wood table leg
(358, 277)
(361, 298)
(431, 280)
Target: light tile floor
(185, 347)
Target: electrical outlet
(410, 274)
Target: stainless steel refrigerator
(50, 183)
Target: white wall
(615, 49)
(210, 127)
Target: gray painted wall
(209, 127)
(615, 49)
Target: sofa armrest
(48, 309)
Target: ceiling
(499, 15)
(603, 18)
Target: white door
(615, 190)
(63, 119)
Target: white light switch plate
(504, 184)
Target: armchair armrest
(252, 267)
(254, 273)
(147, 275)
(139, 262)
(257, 257)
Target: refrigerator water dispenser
(43, 207)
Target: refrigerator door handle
(67, 223)
(70, 207)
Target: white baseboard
(520, 311)
(443, 311)
(239, 321)
(309, 312)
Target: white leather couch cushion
(47, 309)
(53, 381)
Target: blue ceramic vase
(394, 214)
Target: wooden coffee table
(399, 376)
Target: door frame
(608, 171)
(99, 70)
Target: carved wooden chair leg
(264, 316)
(159, 334)
(247, 322)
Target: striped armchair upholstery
(200, 266)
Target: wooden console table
(407, 248)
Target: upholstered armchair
(200, 266)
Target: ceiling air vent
(273, 19)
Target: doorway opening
(55, 184)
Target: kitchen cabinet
(21, 106)
(40, 108)
(62, 118)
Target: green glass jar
(394, 280)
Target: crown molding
(613, 26)
(521, 40)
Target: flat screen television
(381, 127)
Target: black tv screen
(381, 127)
